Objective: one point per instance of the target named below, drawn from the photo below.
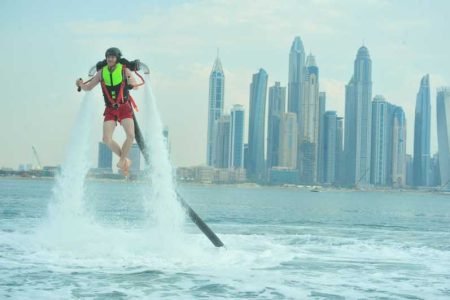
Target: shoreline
(247, 185)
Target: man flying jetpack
(115, 74)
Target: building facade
(256, 128)
(215, 106)
(422, 121)
(358, 114)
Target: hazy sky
(46, 45)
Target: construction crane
(37, 158)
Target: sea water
(281, 244)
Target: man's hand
(79, 82)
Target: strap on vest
(119, 99)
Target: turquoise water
(281, 244)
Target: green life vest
(112, 78)
(113, 83)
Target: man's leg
(108, 130)
(128, 126)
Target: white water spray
(66, 209)
(163, 205)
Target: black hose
(192, 214)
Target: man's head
(112, 56)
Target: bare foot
(124, 166)
(120, 163)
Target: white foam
(160, 195)
(66, 211)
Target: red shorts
(123, 112)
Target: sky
(46, 45)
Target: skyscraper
(381, 162)
(330, 146)
(320, 147)
(358, 113)
(277, 106)
(104, 157)
(443, 131)
(287, 154)
(135, 156)
(236, 160)
(340, 167)
(215, 106)
(222, 142)
(421, 164)
(399, 148)
(256, 127)
(309, 124)
(296, 75)
(409, 170)
(435, 175)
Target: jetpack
(136, 66)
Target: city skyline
(402, 45)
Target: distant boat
(315, 190)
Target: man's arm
(130, 79)
(91, 84)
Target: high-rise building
(409, 170)
(320, 161)
(309, 124)
(332, 146)
(256, 126)
(166, 137)
(287, 154)
(246, 155)
(104, 157)
(215, 106)
(388, 163)
(277, 106)
(422, 134)
(443, 132)
(340, 167)
(237, 115)
(135, 156)
(382, 129)
(435, 176)
(358, 113)
(296, 75)
(399, 148)
(222, 142)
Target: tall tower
(309, 124)
(340, 167)
(222, 142)
(399, 148)
(135, 156)
(256, 127)
(321, 154)
(381, 162)
(287, 154)
(104, 157)
(443, 130)
(421, 164)
(330, 147)
(296, 75)
(277, 106)
(236, 160)
(215, 106)
(358, 113)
